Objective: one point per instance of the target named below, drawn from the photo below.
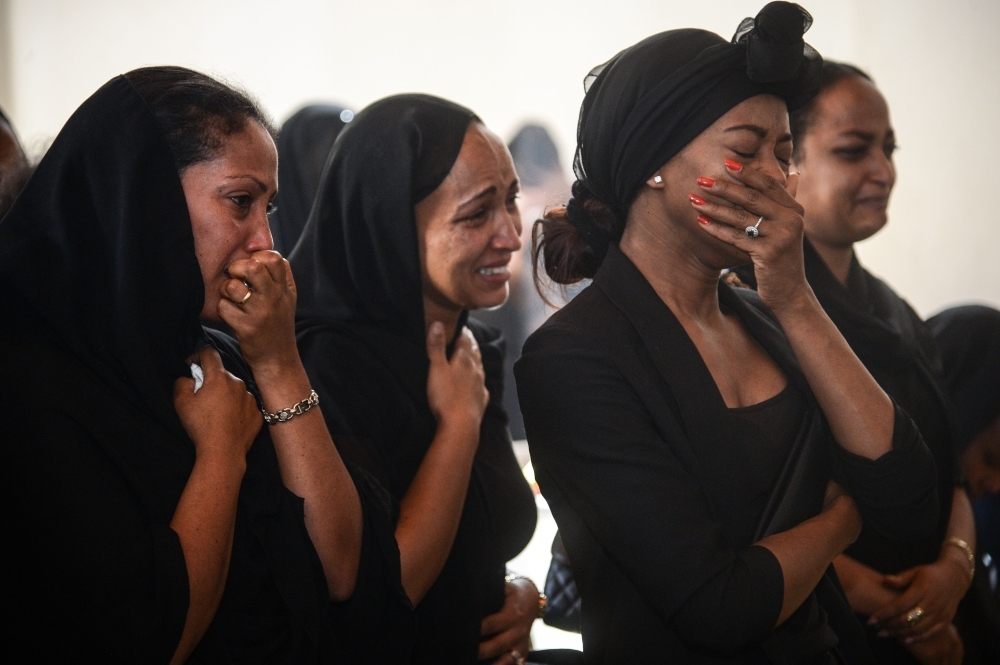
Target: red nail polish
(734, 166)
(707, 183)
(703, 220)
(697, 200)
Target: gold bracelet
(964, 546)
(543, 600)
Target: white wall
(937, 61)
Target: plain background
(937, 62)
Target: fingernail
(873, 621)
(707, 183)
(908, 640)
(703, 220)
(697, 200)
(437, 328)
(733, 166)
(883, 633)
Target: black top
(769, 432)
(899, 350)
(102, 291)
(632, 445)
(361, 336)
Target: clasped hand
(265, 323)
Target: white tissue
(198, 375)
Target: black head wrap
(535, 155)
(99, 247)
(358, 259)
(968, 339)
(303, 146)
(649, 101)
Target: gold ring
(914, 616)
(245, 298)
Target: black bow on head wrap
(649, 101)
(303, 146)
(968, 339)
(358, 258)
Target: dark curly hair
(195, 111)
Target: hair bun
(775, 48)
(596, 222)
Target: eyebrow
(260, 185)
(759, 131)
(867, 136)
(486, 192)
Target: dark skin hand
(509, 630)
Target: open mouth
(491, 271)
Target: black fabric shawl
(630, 443)
(303, 146)
(361, 336)
(899, 350)
(102, 293)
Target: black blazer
(629, 437)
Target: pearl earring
(657, 179)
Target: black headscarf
(359, 259)
(303, 146)
(99, 246)
(361, 334)
(102, 288)
(968, 339)
(652, 99)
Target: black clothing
(633, 448)
(652, 99)
(898, 349)
(361, 336)
(102, 291)
(769, 432)
(969, 342)
(303, 146)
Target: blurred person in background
(543, 183)
(15, 168)
(968, 338)
(414, 226)
(303, 146)
(906, 592)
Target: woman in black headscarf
(685, 434)
(844, 142)
(303, 146)
(414, 225)
(149, 516)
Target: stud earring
(658, 179)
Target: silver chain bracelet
(284, 415)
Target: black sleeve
(91, 579)
(593, 443)
(376, 624)
(896, 493)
